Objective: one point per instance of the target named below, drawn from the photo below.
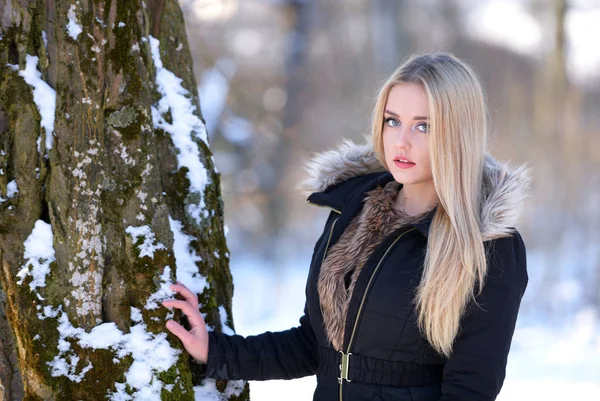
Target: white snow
(185, 127)
(208, 391)
(12, 189)
(163, 292)
(39, 253)
(149, 245)
(151, 354)
(44, 97)
(73, 28)
(136, 315)
(185, 259)
(225, 328)
(196, 210)
(121, 25)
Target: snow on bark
(209, 392)
(73, 27)
(184, 128)
(149, 244)
(39, 253)
(185, 259)
(44, 98)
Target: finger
(193, 315)
(186, 293)
(179, 331)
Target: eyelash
(425, 124)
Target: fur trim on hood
(504, 188)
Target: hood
(503, 191)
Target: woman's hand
(194, 341)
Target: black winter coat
(386, 357)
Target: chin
(405, 177)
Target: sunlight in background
(214, 10)
(505, 23)
(509, 23)
(583, 27)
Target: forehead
(407, 99)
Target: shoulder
(507, 262)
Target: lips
(403, 162)
(402, 159)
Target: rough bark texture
(108, 169)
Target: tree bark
(113, 164)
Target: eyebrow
(416, 118)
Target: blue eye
(389, 119)
(423, 127)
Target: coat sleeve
(477, 366)
(285, 354)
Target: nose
(402, 138)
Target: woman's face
(406, 134)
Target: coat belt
(369, 370)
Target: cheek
(387, 145)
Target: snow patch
(73, 28)
(164, 291)
(185, 126)
(39, 253)
(44, 97)
(209, 392)
(12, 189)
(185, 258)
(224, 327)
(151, 354)
(149, 245)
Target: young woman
(415, 284)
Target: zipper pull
(344, 366)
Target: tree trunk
(108, 192)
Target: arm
(286, 354)
(477, 367)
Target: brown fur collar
(377, 219)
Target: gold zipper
(329, 240)
(325, 252)
(362, 302)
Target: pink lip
(403, 165)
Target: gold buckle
(344, 367)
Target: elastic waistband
(364, 369)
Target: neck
(414, 199)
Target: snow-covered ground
(547, 362)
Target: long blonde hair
(455, 261)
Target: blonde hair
(455, 260)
